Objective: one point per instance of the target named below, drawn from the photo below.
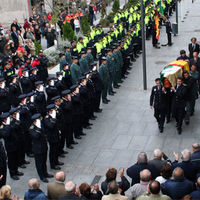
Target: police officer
(31, 103)
(168, 31)
(34, 76)
(39, 147)
(67, 109)
(104, 74)
(89, 57)
(62, 60)
(10, 138)
(40, 99)
(4, 96)
(83, 63)
(179, 103)
(51, 89)
(98, 85)
(26, 82)
(43, 71)
(66, 76)
(52, 132)
(77, 112)
(14, 91)
(59, 83)
(68, 56)
(157, 101)
(75, 70)
(25, 119)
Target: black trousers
(97, 100)
(28, 143)
(169, 38)
(41, 164)
(3, 169)
(179, 113)
(12, 162)
(77, 125)
(69, 134)
(62, 141)
(21, 153)
(53, 154)
(159, 114)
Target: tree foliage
(38, 47)
(68, 33)
(116, 6)
(85, 25)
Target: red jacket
(35, 63)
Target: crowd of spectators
(156, 178)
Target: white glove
(8, 121)
(38, 123)
(17, 116)
(3, 85)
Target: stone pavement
(126, 126)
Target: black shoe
(70, 147)
(60, 163)
(22, 166)
(82, 134)
(48, 176)
(99, 110)
(157, 47)
(74, 143)
(15, 177)
(26, 162)
(92, 118)
(105, 102)
(168, 120)
(45, 180)
(62, 156)
(179, 131)
(56, 168)
(161, 130)
(116, 87)
(187, 122)
(121, 80)
(78, 137)
(111, 94)
(90, 124)
(19, 173)
(64, 152)
(30, 155)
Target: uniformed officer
(40, 99)
(51, 89)
(179, 103)
(84, 97)
(75, 70)
(14, 91)
(68, 56)
(59, 83)
(83, 63)
(10, 138)
(8, 72)
(4, 96)
(25, 81)
(42, 70)
(31, 103)
(89, 56)
(98, 84)
(39, 147)
(34, 76)
(157, 101)
(67, 109)
(62, 60)
(77, 112)
(25, 119)
(20, 139)
(168, 31)
(66, 76)
(52, 132)
(104, 74)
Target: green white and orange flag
(157, 26)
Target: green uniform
(62, 63)
(68, 58)
(111, 68)
(84, 65)
(89, 58)
(75, 73)
(104, 74)
(117, 74)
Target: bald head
(196, 147)
(145, 175)
(34, 183)
(178, 174)
(70, 187)
(157, 153)
(60, 176)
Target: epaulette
(31, 127)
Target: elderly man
(57, 188)
(189, 168)
(153, 192)
(139, 188)
(34, 191)
(113, 189)
(195, 157)
(71, 193)
(157, 160)
(178, 186)
(142, 163)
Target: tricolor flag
(157, 26)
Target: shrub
(68, 33)
(53, 55)
(85, 25)
(116, 6)
(38, 47)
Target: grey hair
(145, 175)
(70, 186)
(186, 155)
(157, 153)
(142, 157)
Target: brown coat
(55, 189)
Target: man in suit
(157, 101)
(71, 193)
(142, 163)
(113, 190)
(168, 31)
(57, 188)
(179, 103)
(195, 157)
(193, 47)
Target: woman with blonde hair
(5, 192)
